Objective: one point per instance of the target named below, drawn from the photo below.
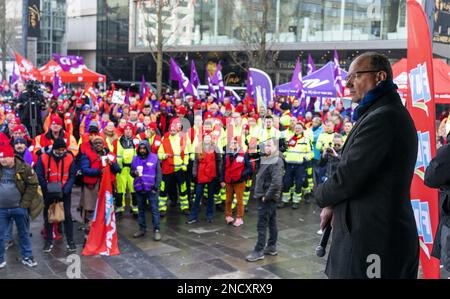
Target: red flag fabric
(102, 239)
(27, 70)
(420, 103)
(90, 91)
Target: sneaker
(270, 250)
(29, 261)
(192, 221)
(2, 265)
(320, 232)
(238, 222)
(9, 244)
(157, 235)
(295, 206)
(48, 246)
(255, 256)
(229, 219)
(139, 234)
(71, 247)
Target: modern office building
(53, 24)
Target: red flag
(102, 237)
(420, 103)
(90, 91)
(27, 70)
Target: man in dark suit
(368, 196)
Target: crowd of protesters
(164, 151)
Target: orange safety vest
(233, 171)
(167, 165)
(207, 167)
(57, 172)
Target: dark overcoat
(370, 195)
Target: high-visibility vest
(124, 155)
(56, 172)
(175, 159)
(233, 170)
(324, 140)
(299, 148)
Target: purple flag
(177, 74)
(249, 85)
(127, 97)
(195, 80)
(337, 75)
(212, 92)
(58, 86)
(318, 84)
(296, 81)
(14, 76)
(68, 62)
(261, 87)
(311, 68)
(143, 88)
(217, 79)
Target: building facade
(53, 24)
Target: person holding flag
(93, 162)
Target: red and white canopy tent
(441, 74)
(75, 75)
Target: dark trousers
(267, 219)
(210, 201)
(68, 224)
(152, 198)
(294, 173)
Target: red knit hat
(60, 108)
(128, 126)
(19, 128)
(181, 110)
(56, 120)
(239, 108)
(228, 107)
(208, 114)
(6, 150)
(153, 126)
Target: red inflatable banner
(420, 103)
(102, 237)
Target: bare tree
(253, 30)
(7, 30)
(156, 14)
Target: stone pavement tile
(199, 270)
(279, 271)
(183, 257)
(295, 234)
(152, 248)
(254, 273)
(221, 264)
(300, 266)
(230, 251)
(315, 275)
(211, 250)
(242, 264)
(175, 243)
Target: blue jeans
(20, 216)
(142, 198)
(9, 230)
(210, 203)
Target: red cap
(204, 104)
(19, 128)
(56, 120)
(6, 150)
(198, 105)
(239, 108)
(181, 110)
(60, 108)
(17, 121)
(228, 107)
(153, 126)
(79, 101)
(128, 126)
(208, 114)
(163, 104)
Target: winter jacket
(269, 178)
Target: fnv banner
(420, 103)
